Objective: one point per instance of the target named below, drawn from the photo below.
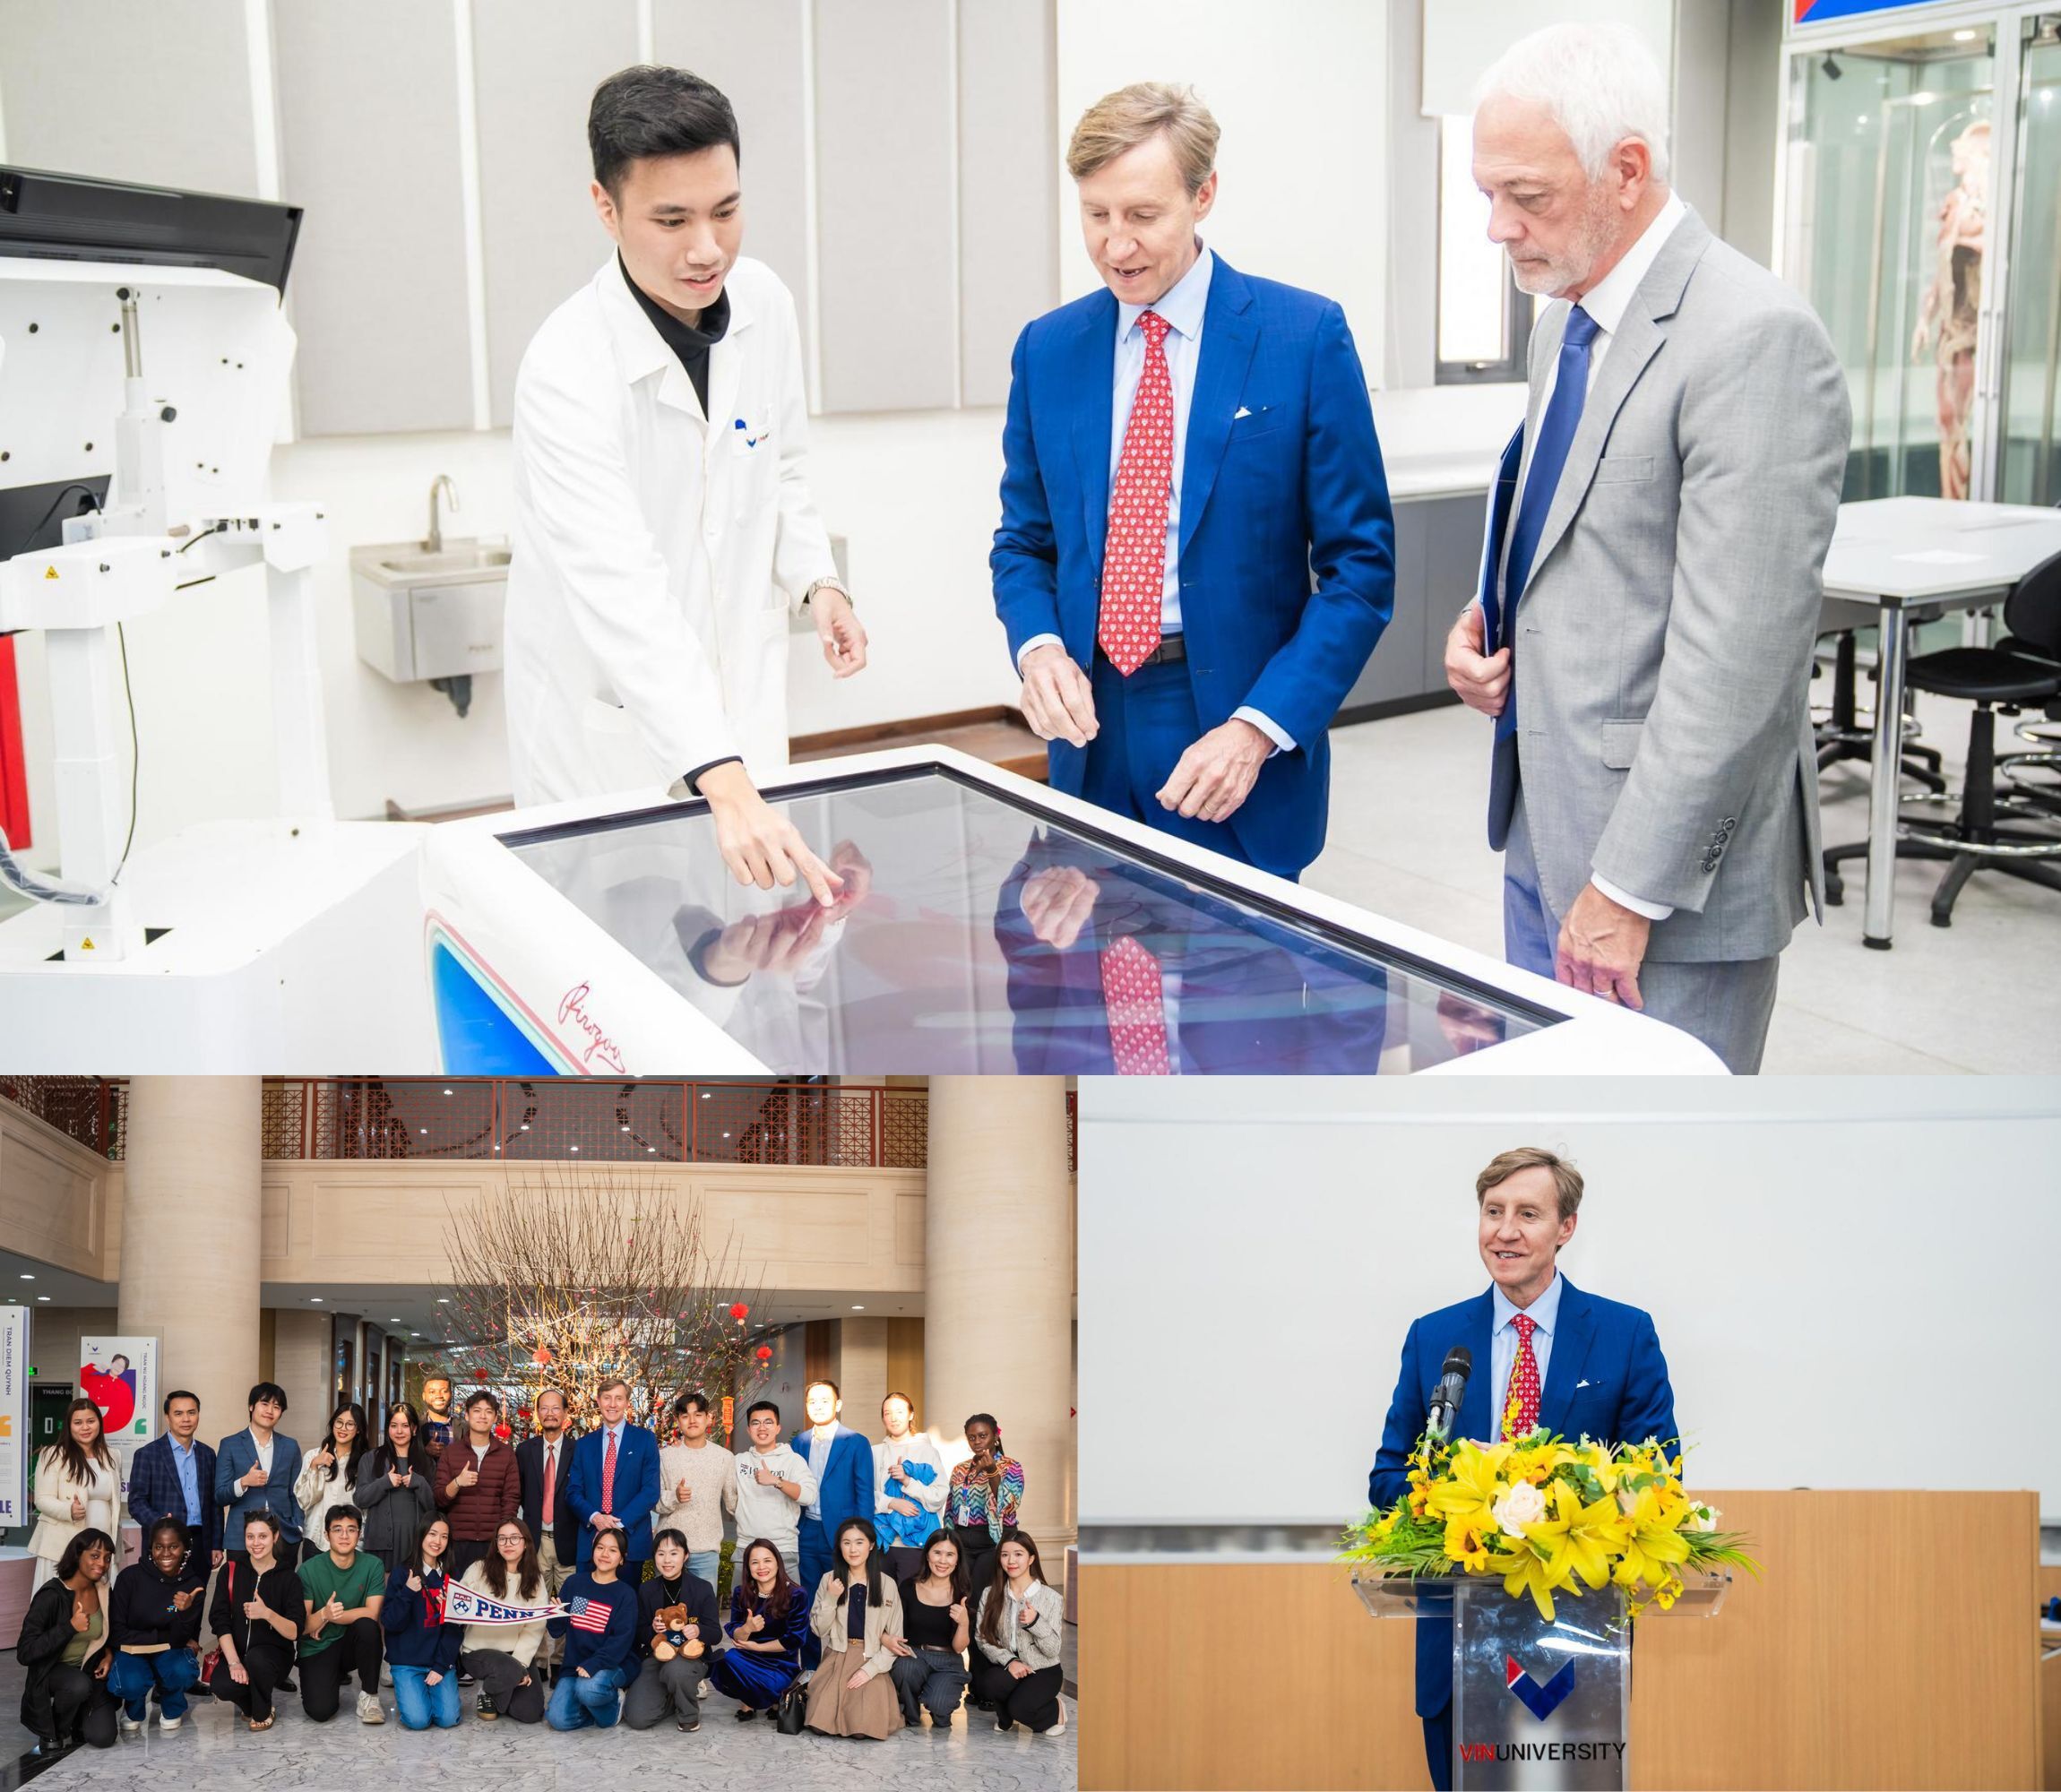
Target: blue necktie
(1556, 435)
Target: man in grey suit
(1651, 584)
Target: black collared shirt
(691, 342)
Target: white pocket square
(1241, 411)
(1580, 1385)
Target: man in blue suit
(254, 1471)
(842, 1461)
(614, 1480)
(1546, 1355)
(1196, 555)
(174, 1477)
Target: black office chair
(1988, 834)
(1843, 735)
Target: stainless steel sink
(436, 617)
(409, 565)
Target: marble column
(998, 1284)
(191, 1243)
(859, 1365)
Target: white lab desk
(1897, 553)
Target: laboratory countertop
(1444, 441)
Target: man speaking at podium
(1544, 1354)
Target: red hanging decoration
(738, 1310)
(765, 1353)
(543, 1359)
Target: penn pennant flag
(462, 1605)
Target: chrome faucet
(441, 483)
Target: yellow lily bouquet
(1545, 1514)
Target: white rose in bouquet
(1523, 1504)
(1704, 1518)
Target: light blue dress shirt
(1184, 305)
(818, 1458)
(189, 1479)
(1503, 1342)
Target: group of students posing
(910, 1568)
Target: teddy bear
(673, 1639)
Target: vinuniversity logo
(1541, 1701)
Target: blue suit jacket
(235, 1456)
(1281, 479)
(154, 1490)
(637, 1488)
(1606, 1379)
(846, 1482)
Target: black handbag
(792, 1712)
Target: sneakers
(131, 1726)
(165, 1723)
(1059, 1729)
(369, 1710)
(483, 1707)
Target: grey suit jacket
(1663, 638)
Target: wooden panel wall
(1892, 1642)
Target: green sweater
(363, 1580)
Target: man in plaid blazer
(174, 1477)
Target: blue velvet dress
(757, 1677)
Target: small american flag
(589, 1613)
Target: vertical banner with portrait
(120, 1376)
(13, 1417)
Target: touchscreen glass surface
(974, 935)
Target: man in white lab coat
(663, 520)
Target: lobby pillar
(998, 1284)
(191, 1225)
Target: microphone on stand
(1452, 1389)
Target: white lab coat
(657, 556)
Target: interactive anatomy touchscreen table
(975, 932)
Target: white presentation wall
(1856, 1284)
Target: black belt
(1171, 648)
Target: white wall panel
(1851, 1281)
(537, 63)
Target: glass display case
(1920, 204)
(1888, 176)
(2029, 468)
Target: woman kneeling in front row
(502, 1658)
(64, 1645)
(676, 1640)
(930, 1660)
(1017, 1669)
(856, 1610)
(768, 1619)
(600, 1632)
(421, 1649)
(255, 1617)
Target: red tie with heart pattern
(1134, 998)
(1521, 1405)
(1134, 553)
